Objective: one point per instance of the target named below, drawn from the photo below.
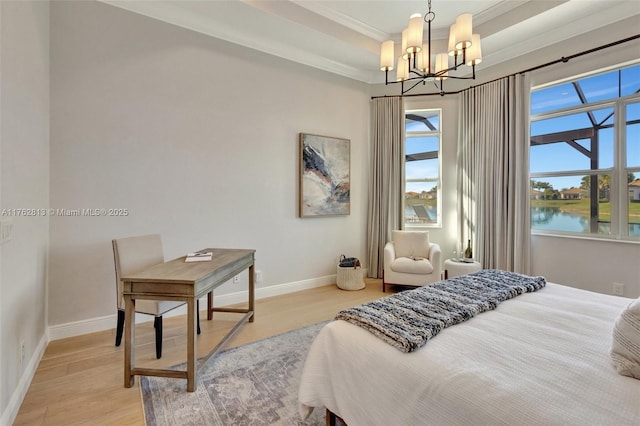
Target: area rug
(254, 384)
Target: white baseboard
(11, 411)
(93, 325)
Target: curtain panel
(387, 174)
(493, 173)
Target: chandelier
(416, 63)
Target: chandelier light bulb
(386, 55)
(452, 41)
(423, 56)
(474, 53)
(414, 33)
(405, 34)
(463, 30)
(442, 64)
(402, 72)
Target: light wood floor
(80, 379)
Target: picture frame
(324, 176)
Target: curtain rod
(563, 59)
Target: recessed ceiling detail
(343, 37)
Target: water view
(554, 219)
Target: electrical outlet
(6, 230)
(618, 289)
(236, 279)
(21, 353)
(258, 276)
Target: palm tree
(585, 183)
(604, 183)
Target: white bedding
(541, 358)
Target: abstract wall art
(324, 187)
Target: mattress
(541, 358)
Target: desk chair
(132, 255)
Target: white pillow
(411, 243)
(625, 348)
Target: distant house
(535, 195)
(571, 194)
(634, 190)
(424, 195)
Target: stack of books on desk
(198, 257)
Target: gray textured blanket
(407, 320)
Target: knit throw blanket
(407, 320)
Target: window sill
(422, 225)
(606, 239)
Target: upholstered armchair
(411, 260)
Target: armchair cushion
(410, 266)
(411, 244)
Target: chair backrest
(411, 243)
(134, 254)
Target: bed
(540, 358)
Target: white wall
(24, 183)
(198, 139)
(590, 264)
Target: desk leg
(192, 348)
(251, 292)
(209, 306)
(129, 340)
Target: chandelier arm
(429, 42)
(418, 74)
(461, 78)
(441, 87)
(412, 86)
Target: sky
(557, 156)
(561, 156)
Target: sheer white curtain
(387, 174)
(493, 173)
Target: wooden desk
(177, 280)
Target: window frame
(437, 180)
(619, 220)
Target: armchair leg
(198, 313)
(157, 323)
(119, 327)
(384, 285)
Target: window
(585, 155)
(422, 168)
